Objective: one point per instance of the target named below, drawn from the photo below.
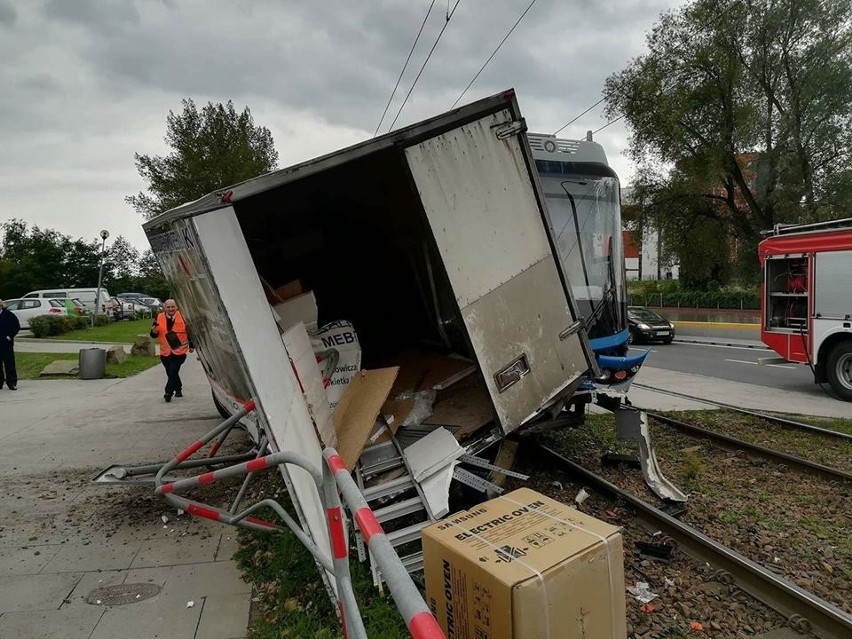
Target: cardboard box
(301, 308)
(524, 566)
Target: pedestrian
(175, 341)
(9, 327)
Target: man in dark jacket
(9, 327)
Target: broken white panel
(298, 345)
(432, 453)
(436, 490)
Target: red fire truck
(806, 298)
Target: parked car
(120, 309)
(153, 303)
(26, 309)
(84, 295)
(150, 303)
(74, 306)
(647, 326)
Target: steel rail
(772, 418)
(805, 611)
(692, 429)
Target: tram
(583, 202)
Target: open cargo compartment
(431, 241)
(437, 247)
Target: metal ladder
(380, 459)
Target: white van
(85, 295)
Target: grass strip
(29, 365)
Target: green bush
(47, 325)
(102, 320)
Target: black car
(647, 326)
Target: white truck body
(434, 233)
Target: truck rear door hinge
(505, 130)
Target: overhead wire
(425, 62)
(404, 67)
(693, 32)
(493, 53)
(556, 132)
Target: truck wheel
(219, 408)
(839, 369)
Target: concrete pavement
(61, 538)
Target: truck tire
(838, 368)
(224, 412)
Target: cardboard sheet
(420, 371)
(356, 413)
(465, 404)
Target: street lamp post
(104, 236)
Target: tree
(44, 258)
(741, 113)
(121, 264)
(211, 149)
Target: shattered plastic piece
(669, 583)
(190, 604)
(642, 592)
(180, 512)
(648, 607)
(556, 484)
(581, 497)
(697, 627)
(164, 518)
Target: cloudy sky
(88, 83)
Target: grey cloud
(8, 15)
(103, 16)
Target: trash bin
(92, 363)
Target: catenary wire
(694, 32)
(425, 62)
(493, 53)
(404, 67)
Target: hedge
(698, 299)
(47, 325)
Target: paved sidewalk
(61, 538)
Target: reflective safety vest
(179, 328)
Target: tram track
(782, 421)
(804, 610)
(781, 457)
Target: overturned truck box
(431, 240)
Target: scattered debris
(556, 484)
(648, 607)
(581, 496)
(658, 552)
(190, 604)
(697, 627)
(164, 518)
(642, 592)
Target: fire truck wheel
(839, 369)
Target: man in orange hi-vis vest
(175, 342)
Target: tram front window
(585, 221)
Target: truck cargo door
(481, 204)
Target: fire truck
(806, 298)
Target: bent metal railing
(332, 481)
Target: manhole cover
(122, 594)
